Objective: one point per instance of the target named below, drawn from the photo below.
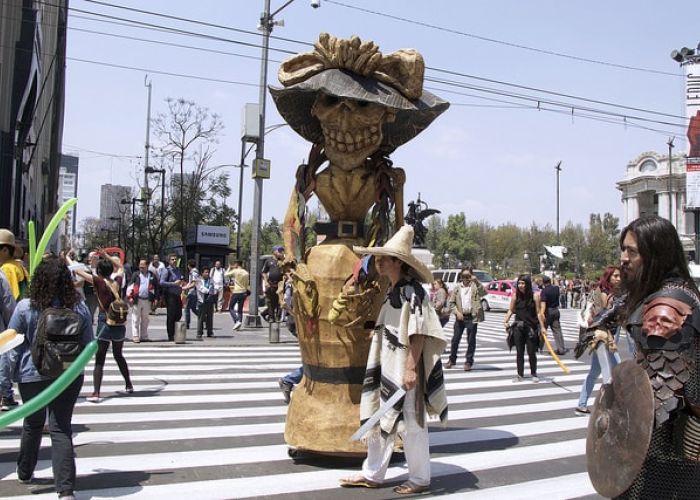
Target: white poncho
(388, 354)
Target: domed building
(649, 187)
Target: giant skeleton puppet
(356, 106)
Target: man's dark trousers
(173, 306)
(459, 327)
(205, 319)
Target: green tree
(602, 247)
(573, 237)
(505, 248)
(457, 241)
(435, 228)
(534, 240)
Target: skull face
(352, 130)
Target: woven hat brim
(424, 274)
(412, 117)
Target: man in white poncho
(405, 352)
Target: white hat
(399, 246)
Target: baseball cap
(278, 248)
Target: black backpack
(58, 341)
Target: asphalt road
(207, 419)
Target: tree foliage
(186, 133)
(508, 250)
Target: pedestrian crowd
(73, 300)
(650, 296)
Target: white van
(451, 277)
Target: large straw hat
(356, 70)
(294, 103)
(399, 246)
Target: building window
(647, 166)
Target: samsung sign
(210, 235)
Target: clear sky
(491, 155)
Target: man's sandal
(358, 481)
(411, 488)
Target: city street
(206, 420)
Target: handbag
(117, 310)
(510, 336)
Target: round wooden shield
(619, 430)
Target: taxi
(498, 294)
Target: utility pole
(558, 169)
(147, 148)
(671, 216)
(240, 201)
(267, 23)
(161, 171)
(146, 194)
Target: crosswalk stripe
(206, 408)
(557, 488)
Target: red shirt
(104, 295)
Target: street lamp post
(266, 25)
(133, 222)
(239, 220)
(558, 169)
(671, 218)
(161, 171)
(528, 265)
(146, 190)
(119, 229)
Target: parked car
(451, 277)
(498, 294)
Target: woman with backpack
(528, 321)
(111, 320)
(51, 287)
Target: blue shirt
(7, 302)
(24, 320)
(168, 278)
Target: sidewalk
(223, 332)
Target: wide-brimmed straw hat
(7, 237)
(351, 69)
(399, 246)
(412, 117)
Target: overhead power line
(572, 112)
(194, 21)
(540, 101)
(502, 42)
(554, 93)
(537, 99)
(446, 71)
(168, 44)
(175, 30)
(159, 72)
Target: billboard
(692, 99)
(209, 235)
